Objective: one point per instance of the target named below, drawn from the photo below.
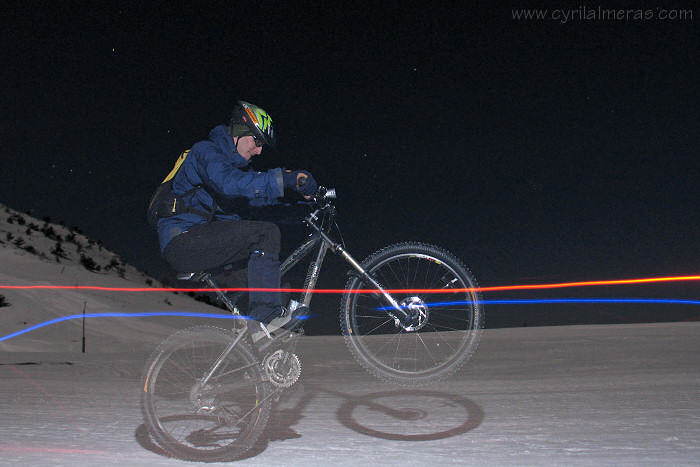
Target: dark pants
(209, 246)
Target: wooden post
(84, 305)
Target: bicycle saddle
(192, 276)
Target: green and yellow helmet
(256, 119)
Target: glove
(305, 185)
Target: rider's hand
(301, 181)
(306, 185)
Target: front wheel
(200, 403)
(440, 295)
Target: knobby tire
(219, 422)
(445, 339)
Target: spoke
(441, 327)
(235, 370)
(433, 346)
(184, 389)
(427, 273)
(410, 281)
(399, 283)
(239, 419)
(245, 415)
(426, 348)
(396, 353)
(387, 343)
(445, 341)
(181, 368)
(379, 326)
(415, 355)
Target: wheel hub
(204, 398)
(417, 313)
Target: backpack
(164, 203)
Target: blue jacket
(216, 165)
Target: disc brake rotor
(417, 310)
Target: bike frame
(319, 235)
(318, 238)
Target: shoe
(288, 321)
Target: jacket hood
(220, 137)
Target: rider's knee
(272, 241)
(274, 234)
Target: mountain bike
(410, 313)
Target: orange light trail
(342, 291)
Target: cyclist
(211, 234)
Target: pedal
(256, 336)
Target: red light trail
(342, 291)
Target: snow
(572, 395)
(604, 395)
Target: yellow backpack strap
(178, 163)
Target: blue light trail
(429, 305)
(122, 315)
(558, 300)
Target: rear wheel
(214, 420)
(434, 287)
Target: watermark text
(584, 13)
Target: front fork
(397, 312)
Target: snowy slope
(29, 256)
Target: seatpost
(222, 295)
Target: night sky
(534, 150)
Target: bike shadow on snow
(143, 437)
(395, 415)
